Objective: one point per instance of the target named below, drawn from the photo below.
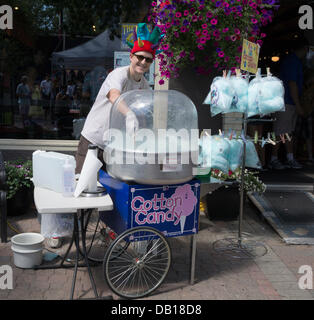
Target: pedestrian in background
(45, 90)
(291, 73)
(23, 93)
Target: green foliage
(18, 176)
(251, 181)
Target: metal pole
(193, 256)
(242, 182)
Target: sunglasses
(141, 58)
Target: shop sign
(176, 208)
(6, 17)
(306, 21)
(127, 33)
(250, 55)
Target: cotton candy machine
(153, 137)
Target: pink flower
(233, 38)
(224, 30)
(204, 32)
(204, 26)
(221, 54)
(216, 33)
(178, 14)
(209, 14)
(161, 82)
(213, 21)
(165, 47)
(203, 40)
(200, 47)
(263, 35)
(254, 20)
(237, 31)
(186, 12)
(198, 32)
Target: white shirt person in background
(23, 93)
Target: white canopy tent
(95, 52)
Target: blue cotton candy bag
(221, 95)
(271, 97)
(235, 154)
(240, 100)
(251, 158)
(220, 149)
(253, 95)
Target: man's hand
(131, 123)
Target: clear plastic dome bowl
(153, 137)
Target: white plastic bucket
(27, 249)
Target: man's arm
(113, 95)
(294, 92)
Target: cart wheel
(98, 237)
(137, 262)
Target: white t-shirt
(45, 86)
(97, 121)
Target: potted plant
(19, 186)
(224, 203)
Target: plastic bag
(214, 153)
(265, 95)
(56, 225)
(253, 95)
(251, 158)
(220, 149)
(240, 100)
(221, 95)
(235, 154)
(271, 98)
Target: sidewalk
(273, 276)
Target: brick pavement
(218, 276)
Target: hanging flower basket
(207, 33)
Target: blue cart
(138, 260)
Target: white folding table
(47, 201)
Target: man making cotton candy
(120, 80)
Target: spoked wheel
(98, 237)
(137, 262)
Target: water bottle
(68, 178)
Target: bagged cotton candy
(221, 95)
(251, 157)
(240, 100)
(220, 149)
(235, 154)
(271, 97)
(254, 95)
(265, 95)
